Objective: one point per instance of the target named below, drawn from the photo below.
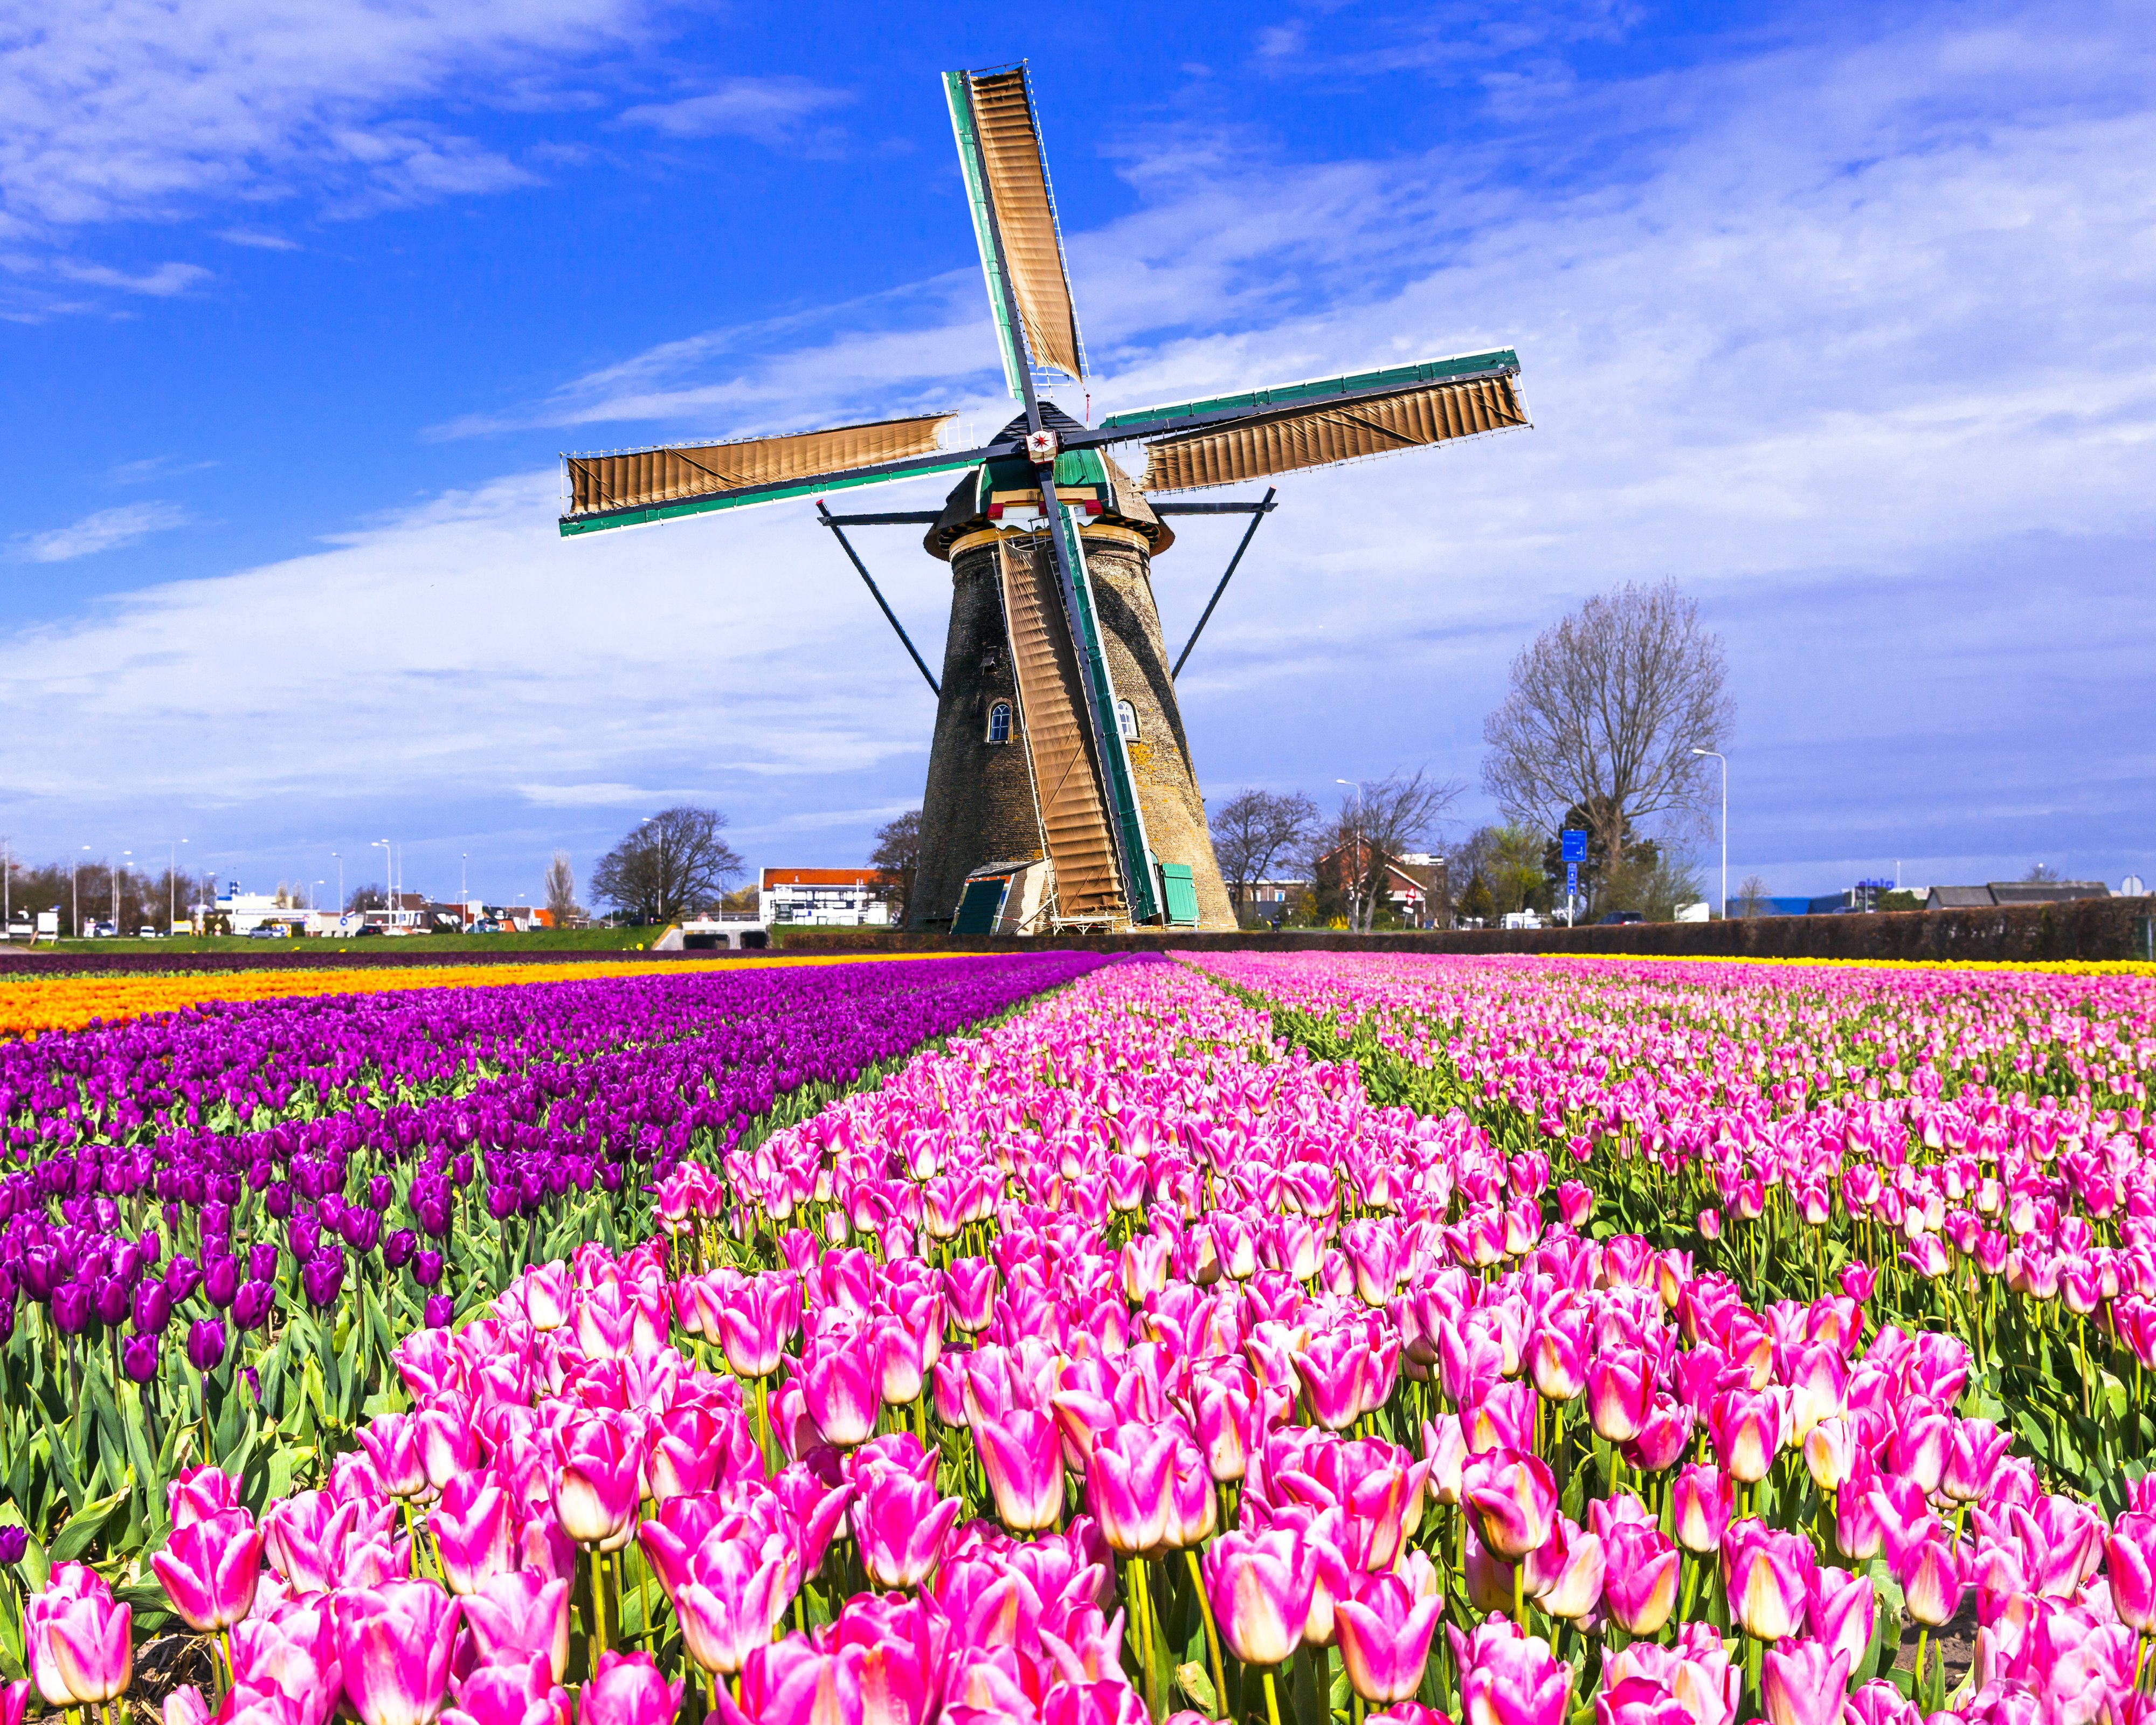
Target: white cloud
(257, 241)
(161, 282)
(114, 109)
(107, 530)
(770, 111)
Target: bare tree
(1752, 898)
(562, 889)
(1385, 818)
(1604, 711)
(1253, 829)
(2041, 872)
(369, 897)
(897, 856)
(673, 862)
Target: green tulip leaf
(83, 1528)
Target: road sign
(1575, 841)
(1571, 879)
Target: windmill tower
(1060, 789)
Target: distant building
(2012, 892)
(1269, 900)
(828, 898)
(1413, 882)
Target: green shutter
(1181, 893)
(978, 909)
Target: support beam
(890, 518)
(839, 533)
(1258, 510)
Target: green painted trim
(571, 524)
(1115, 753)
(958, 91)
(1288, 395)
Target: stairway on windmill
(1061, 788)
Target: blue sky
(1840, 316)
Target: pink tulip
(736, 1594)
(473, 1530)
(305, 1536)
(524, 1694)
(755, 1320)
(1802, 1682)
(1768, 1577)
(391, 1441)
(199, 1493)
(842, 1388)
(1260, 1586)
(1566, 1574)
(626, 1689)
(210, 1568)
(1127, 1486)
(1228, 1420)
(2130, 1565)
(291, 1655)
(1334, 1369)
(1514, 1497)
(518, 1616)
(1843, 1612)
(1931, 1572)
(1557, 1357)
(78, 1640)
(393, 1643)
(1022, 1456)
(1514, 1681)
(1702, 1499)
(899, 1525)
(1973, 1454)
(1621, 1390)
(595, 1482)
(1384, 1633)
(1746, 1429)
(1640, 1585)
(1829, 1449)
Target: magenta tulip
(78, 1641)
(1022, 1456)
(1621, 1391)
(595, 1482)
(519, 1615)
(1128, 1484)
(1746, 1429)
(1514, 1497)
(1768, 1577)
(1384, 1632)
(1260, 1586)
(209, 1570)
(523, 1694)
(842, 1388)
(1843, 1611)
(1639, 1584)
(626, 1689)
(734, 1596)
(393, 1642)
(2130, 1565)
(472, 1528)
(1566, 1574)
(899, 1525)
(1803, 1683)
(1514, 1681)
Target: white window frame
(1003, 707)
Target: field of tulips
(32, 1005)
(1254, 1337)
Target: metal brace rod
(854, 557)
(1258, 511)
(1208, 508)
(891, 518)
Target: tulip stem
(1212, 1635)
(599, 1606)
(1141, 1603)
(1272, 1700)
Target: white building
(828, 898)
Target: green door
(1179, 892)
(978, 909)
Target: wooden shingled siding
(1074, 820)
(1346, 431)
(648, 476)
(1025, 216)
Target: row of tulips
(172, 1293)
(1980, 1142)
(1125, 1361)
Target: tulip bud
(206, 1343)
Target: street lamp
(1724, 759)
(339, 861)
(389, 865)
(172, 887)
(75, 885)
(1355, 899)
(116, 873)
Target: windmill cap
(1121, 503)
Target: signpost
(1573, 841)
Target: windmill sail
(1271, 439)
(1007, 178)
(648, 485)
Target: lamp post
(75, 886)
(172, 887)
(339, 861)
(1355, 900)
(389, 867)
(116, 873)
(1724, 759)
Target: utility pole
(1724, 759)
(1355, 899)
(172, 887)
(116, 873)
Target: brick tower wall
(978, 805)
(1169, 795)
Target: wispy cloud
(259, 241)
(162, 282)
(107, 530)
(770, 111)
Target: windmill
(1060, 792)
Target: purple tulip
(181, 1278)
(303, 1234)
(138, 1358)
(397, 1251)
(71, 1308)
(440, 1309)
(277, 1199)
(379, 1191)
(206, 1343)
(361, 1229)
(426, 1268)
(322, 1277)
(221, 1280)
(261, 1261)
(251, 1305)
(14, 1542)
(153, 1308)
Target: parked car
(267, 931)
(104, 931)
(148, 933)
(1621, 916)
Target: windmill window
(1127, 722)
(999, 723)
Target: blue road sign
(1575, 841)
(1571, 878)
